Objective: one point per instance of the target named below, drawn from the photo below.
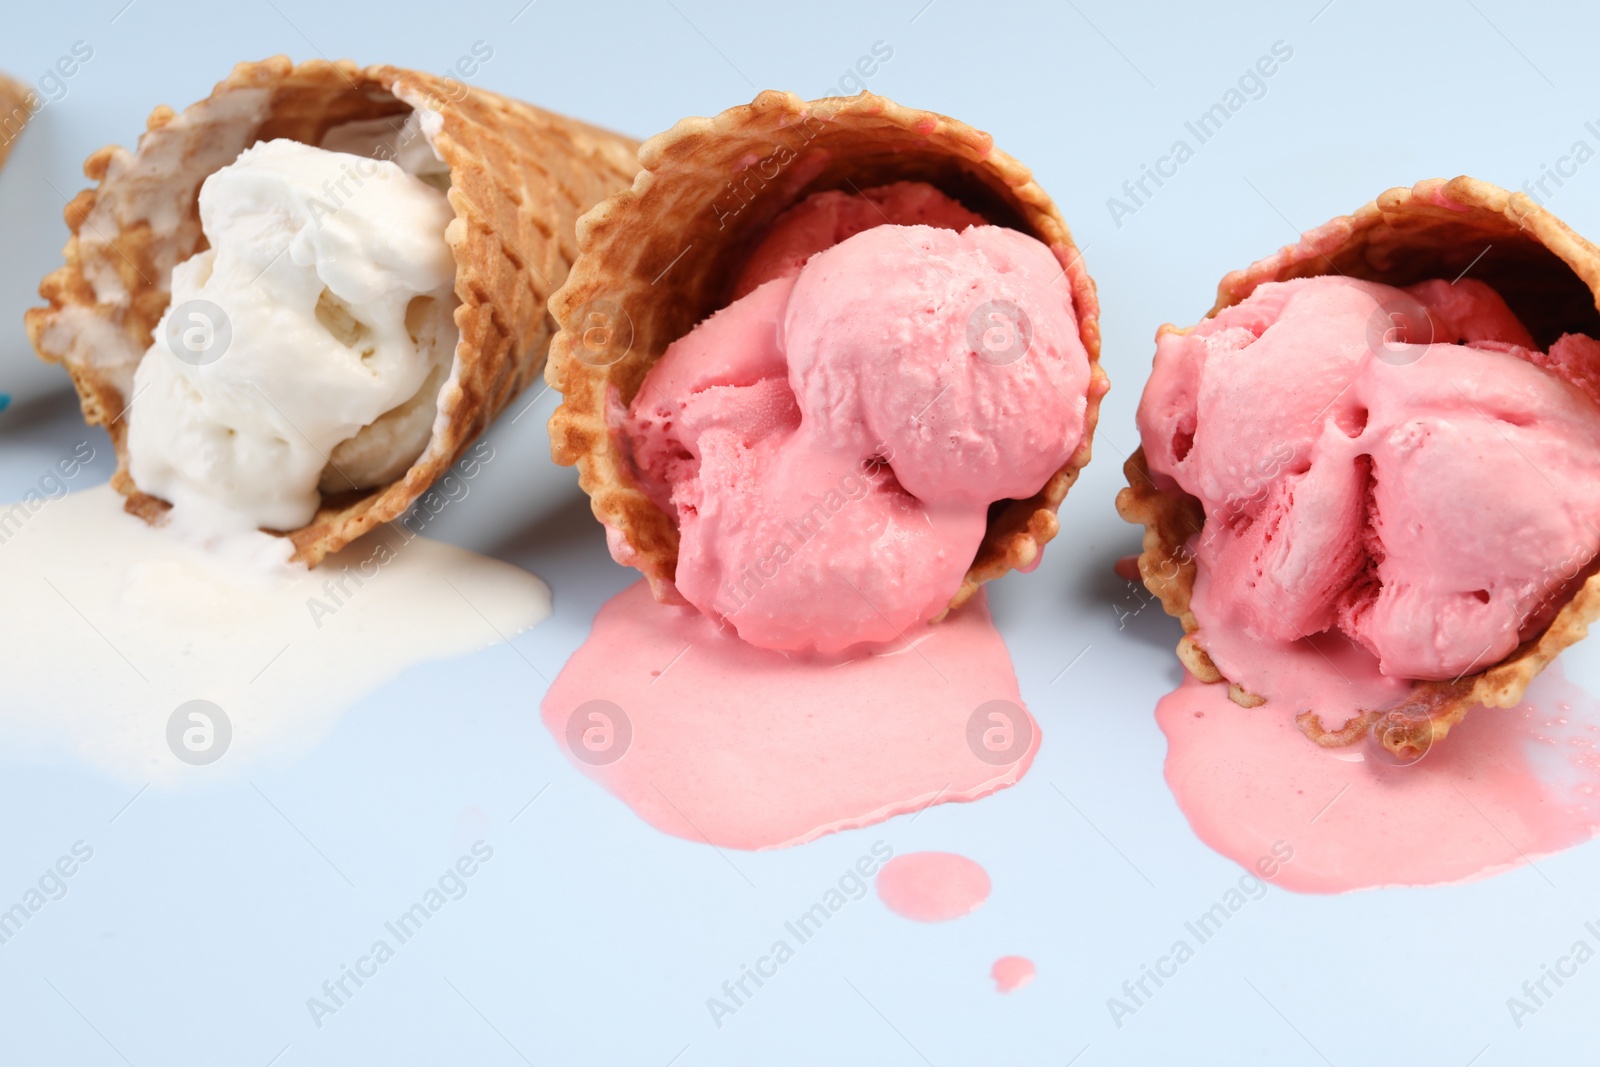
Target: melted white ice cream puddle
(111, 626)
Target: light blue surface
(209, 914)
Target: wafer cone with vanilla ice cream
(1549, 278)
(502, 182)
(687, 241)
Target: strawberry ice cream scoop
(831, 442)
(824, 219)
(1401, 467)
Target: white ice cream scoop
(304, 349)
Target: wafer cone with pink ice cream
(507, 180)
(1493, 297)
(710, 297)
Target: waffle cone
(1437, 229)
(656, 260)
(14, 114)
(520, 177)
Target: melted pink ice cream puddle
(932, 887)
(1506, 787)
(715, 740)
(1011, 973)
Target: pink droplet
(932, 887)
(1011, 973)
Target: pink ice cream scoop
(824, 219)
(1402, 467)
(831, 441)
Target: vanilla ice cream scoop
(304, 348)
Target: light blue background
(207, 915)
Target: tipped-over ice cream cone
(14, 114)
(1456, 244)
(515, 177)
(690, 241)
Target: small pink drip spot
(932, 887)
(1011, 973)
